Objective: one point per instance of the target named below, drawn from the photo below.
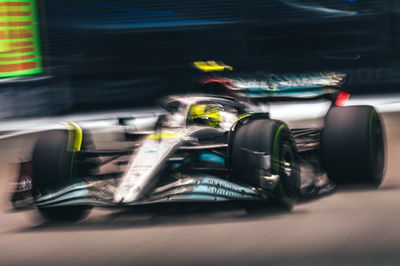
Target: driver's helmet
(205, 115)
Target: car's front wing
(194, 188)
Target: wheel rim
(287, 161)
(287, 171)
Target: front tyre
(53, 162)
(270, 137)
(353, 145)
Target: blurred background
(61, 56)
(60, 59)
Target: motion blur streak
(314, 8)
(352, 227)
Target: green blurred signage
(19, 39)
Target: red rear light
(342, 98)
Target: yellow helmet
(205, 114)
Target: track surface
(352, 226)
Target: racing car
(201, 149)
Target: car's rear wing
(315, 80)
(265, 85)
(290, 86)
(288, 82)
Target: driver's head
(205, 115)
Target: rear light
(342, 98)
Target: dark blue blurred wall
(122, 53)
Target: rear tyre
(267, 137)
(53, 168)
(353, 145)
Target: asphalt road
(354, 226)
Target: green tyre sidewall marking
(371, 138)
(372, 145)
(275, 166)
(276, 150)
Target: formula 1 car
(202, 149)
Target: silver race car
(201, 149)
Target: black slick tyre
(268, 137)
(53, 168)
(353, 145)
